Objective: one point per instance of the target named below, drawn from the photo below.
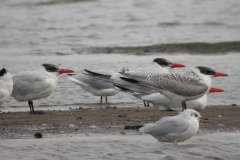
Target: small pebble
(71, 125)
(93, 127)
(38, 135)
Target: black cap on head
(206, 70)
(3, 71)
(51, 67)
(162, 62)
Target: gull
(174, 129)
(6, 85)
(33, 85)
(178, 86)
(96, 86)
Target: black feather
(51, 67)
(3, 71)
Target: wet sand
(109, 120)
(175, 48)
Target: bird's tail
(147, 127)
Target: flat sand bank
(110, 120)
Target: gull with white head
(176, 128)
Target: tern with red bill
(174, 129)
(178, 86)
(33, 85)
(160, 65)
(162, 103)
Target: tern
(162, 103)
(178, 86)
(160, 65)
(33, 85)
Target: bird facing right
(174, 129)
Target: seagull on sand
(174, 129)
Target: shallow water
(67, 94)
(221, 146)
(59, 26)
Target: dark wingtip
(120, 87)
(129, 80)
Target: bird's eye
(195, 115)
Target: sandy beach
(109, 120)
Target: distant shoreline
(110, 120)
(174, 48)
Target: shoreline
(110, 120)
(192, 48)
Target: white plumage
(174, 129)
(33, 85)
(6, 85)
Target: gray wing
(165, 126)
(178, 83)
(27, 83)
(92, 82)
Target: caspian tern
(162, 103)
(178, 86)
(6, 85)
(174, 129)
(160, 65)
(33, 85)
(96, 86)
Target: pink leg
(101, 99)
(106, 99)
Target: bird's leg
(148, 104)
(101, 99)
(30, 103)
(184, 105)
(144, 104)
(106, 98)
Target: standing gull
(96, 86)
(174, 129)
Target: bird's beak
(204, 118)
(176, 65)
(65, 71)
(219, 74)
(215, 90)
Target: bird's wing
(82, 80)
(178, 83)
(101, 74)
(165, 126)
(32, 82)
